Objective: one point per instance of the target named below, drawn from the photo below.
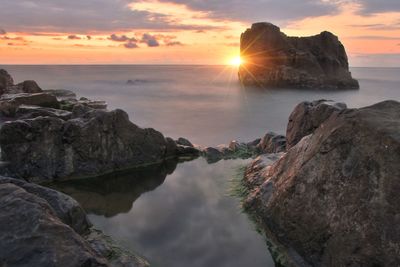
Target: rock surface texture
(333, 198)
(88, 144)
(272, 59)
(307, 117)
(43, 227)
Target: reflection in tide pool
(186, 218)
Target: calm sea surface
(179, 216)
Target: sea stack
(273, 59)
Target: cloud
(174, 43)
(150, 40)
(369, 7)
(18, 38)
(122, 38)
(131, 45)
(374, 37)
(378, 26)
(129, 42)
(82, 17)
(261, 10)
(17, 44)
(74, 37)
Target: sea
(187, 215)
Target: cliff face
(272, 59)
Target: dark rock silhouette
(272, 59)
(332, 199)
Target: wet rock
(6, 81)
(62, 94)
(272, 143)
(96, 142)
(272, 59)
(212, 154)
(29, 87)
(308, 116)
(184, 142)
(332, 199)
(66, 208)
(10, 103)
(254, 143)
(30, 112)
(117, 256)
(32, 235)
(40, 227)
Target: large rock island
(273, 59)
(333, 198)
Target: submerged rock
(332, 199)
(272, 59)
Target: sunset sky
(186, 31)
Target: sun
(236, 61)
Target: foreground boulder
(307, 117)
(43, 227)
(333, 198)
(90, 143)
(272, 59)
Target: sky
(186, 31)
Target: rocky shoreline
(332, 187)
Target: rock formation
(88, 144)
(43, 227)
(332, 199)
(270, 143)
(7, 85)
(272, 59)
(308, 116)
(52, 135)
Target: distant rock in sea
(273, 59)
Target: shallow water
(188, 218)
(184, 216)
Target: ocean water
(184, 215)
